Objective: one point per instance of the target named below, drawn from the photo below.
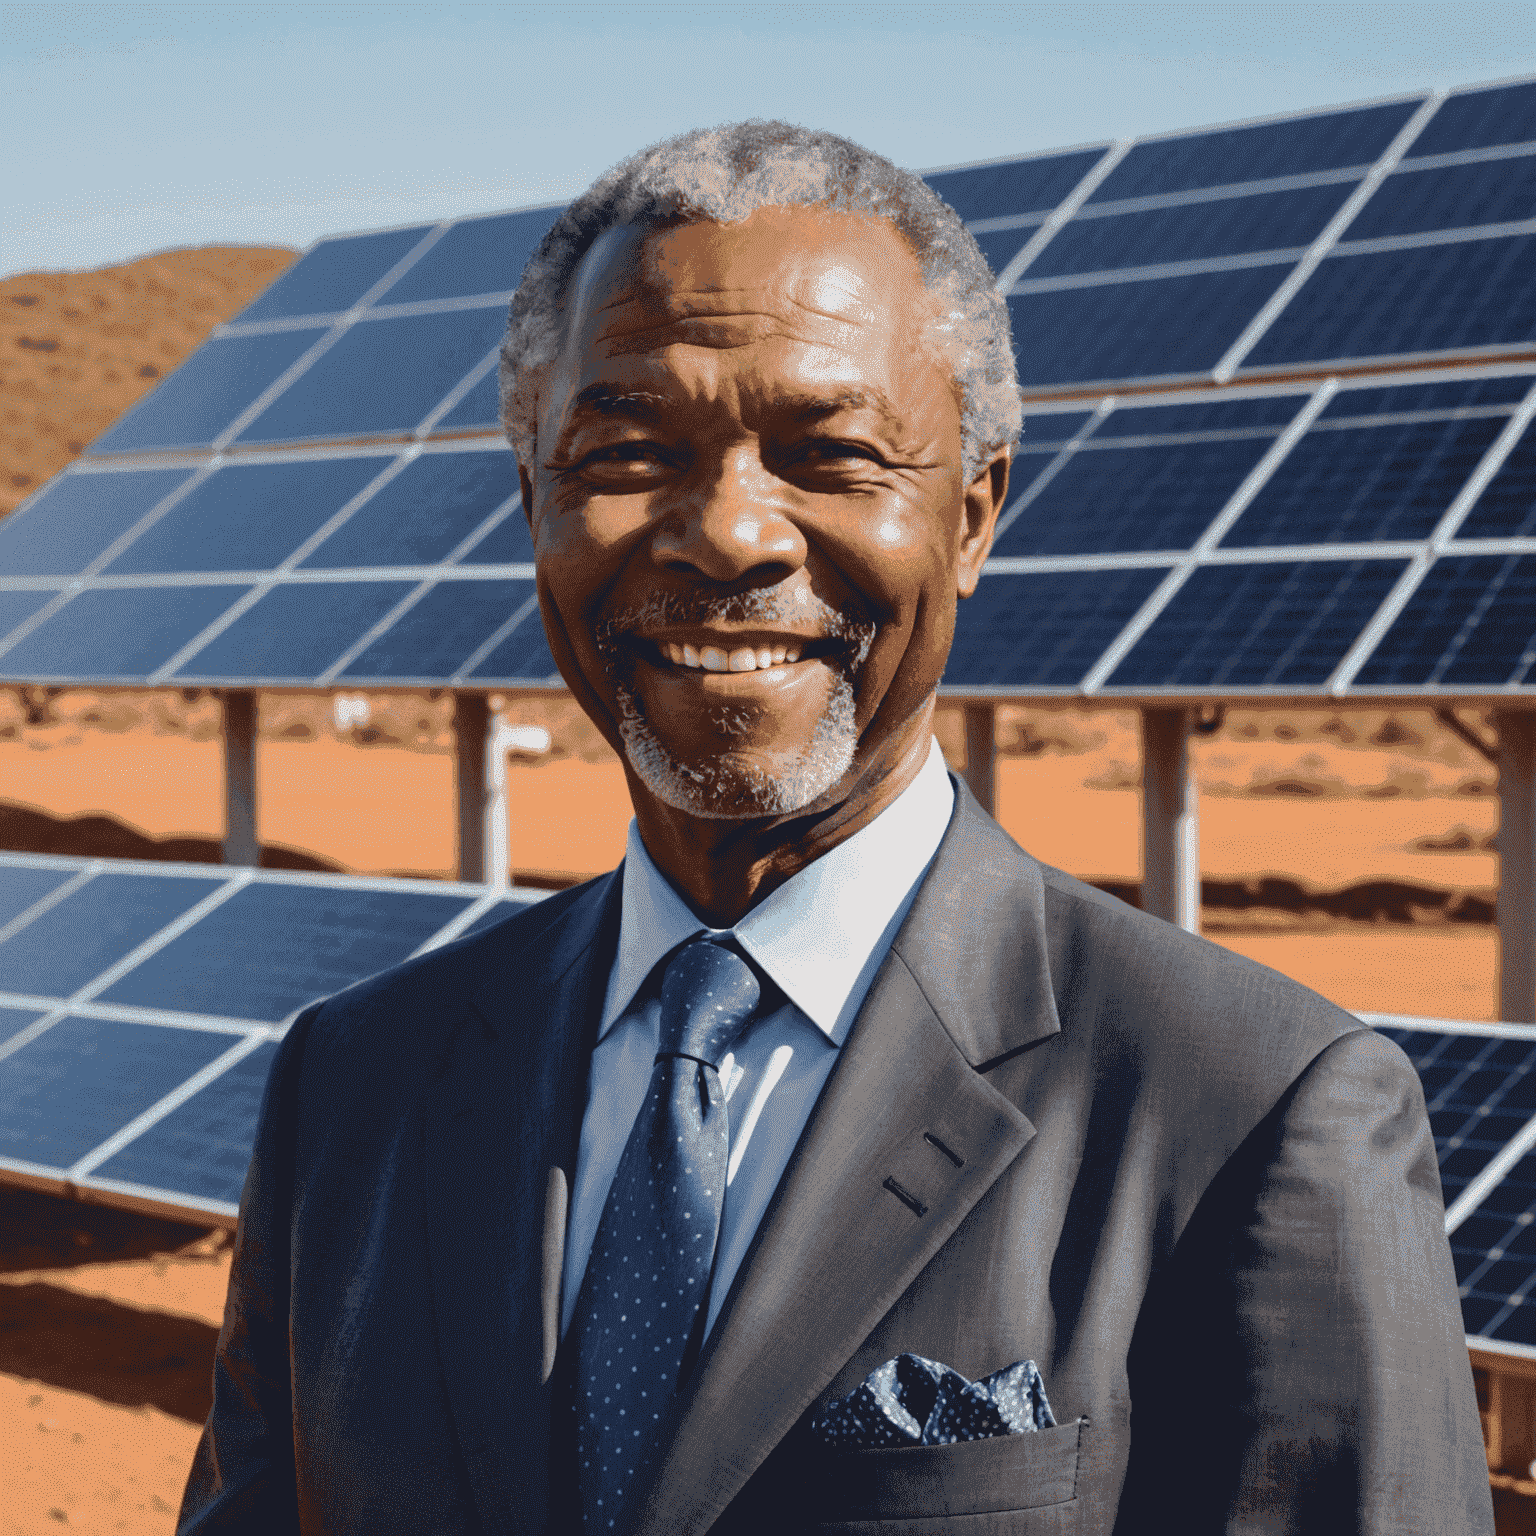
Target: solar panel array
(318, 495)
(1480, 1088)
(141, 1005)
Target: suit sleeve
(242, 1477)
(1310, 1350)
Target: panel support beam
(471, 729)
(981, 753)
(241, 844)
(1517, 865)
(1170, 828)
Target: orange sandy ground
(377, 809)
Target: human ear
(984, 498)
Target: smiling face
(749, 514)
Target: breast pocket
(1012, 1485)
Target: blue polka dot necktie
(641, 1305)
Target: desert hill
(78, 348)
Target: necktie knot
(708, 993)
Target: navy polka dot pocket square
(913, 1401)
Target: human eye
(628, 461)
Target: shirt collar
(817, 933)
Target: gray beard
(724, 789)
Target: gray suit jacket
(1201, 1197)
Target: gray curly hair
(721, 175)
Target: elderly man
(831, 1165)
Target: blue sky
(132, 128)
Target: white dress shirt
(821, 936)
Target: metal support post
(241, 845)
(1170, 828)
(1517, 865)
(981, 753)
(471, 723)
(496, 820)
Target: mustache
(851, 624)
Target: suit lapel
(506, 1110)
(906, 1138)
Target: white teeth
(713, 659)
(792, 655)
(778, 654)
(765, 657)
(744, 659)
(690, 657)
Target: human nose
(731, 524)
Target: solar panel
(140, 1006)
(1011, 187)
(1506, 508)
(74, 519)
(445, 631)
(1414, 200)
(334, 275)
(475, 256)
(1502, 114)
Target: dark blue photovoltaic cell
(247, 517)
(202, 1147)
(1470, 293)
(1121, 499)
(1355, 485)
(383, 376)
(475, 256)
(1326, 142)
(508, 543)
(1014, 186)
(1265, 411)
(21, 888)
(1000, 246)
(1170, 325)
(78, 1082)
(207, 392)
(294, 633)
(1471, 614)
(1506, 509)
(422, 514)
(1448, 395)
(479, 409)
(436, 636)
(272, 948)
(1494, 1250)
(1480, 1092)
(16, 608)
(73, 942)
(1277, 624)
(1050, 427)
(1505, 114)
(1043, 630)
(1449, 197)
(1232, 226)
(334, 275)
(14, 1020)
(110, 636)
(522, 657)
(75, 517)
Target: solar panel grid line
(1439, 543)
(507, 627)
(1425, 238)
(315, 576)
(1414, 418)
(147, 1197)
(1006, 222)
(1325, 241)
(1171, 439)
(1491, 1176)
(32, 1031)
(1057, 463)
(234, 330)
(1501, 1347)
(1495, 1030)
(162, 1107)
(127, 1013)
(1458, 157)
(498, 298)
(45, 903)
(209, 632)
(1524, 545)
(469, 916)
(1156, 271)
(477, 536)
(373, 632)
(1166, 589)
(1062, 213)
(295, 370)
(428, 422)
(1189, 196)
(1113, 560)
